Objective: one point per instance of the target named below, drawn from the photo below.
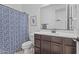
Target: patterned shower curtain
(13, 29)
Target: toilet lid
(27, 44)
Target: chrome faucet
(53, 31)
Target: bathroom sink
(53, 31)
(58, 33)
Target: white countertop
(60, 34)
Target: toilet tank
(31, 37)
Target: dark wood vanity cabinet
(45, 44)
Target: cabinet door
(56, 48)
(57, 40)
(45, 47)
(69, 49)
(46, 38)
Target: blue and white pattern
(13, 29)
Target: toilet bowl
(27, 47)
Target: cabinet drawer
(37, 36)
(37, 50)
(37, 43)
(46, 37)
(69, 41)
(56, 40)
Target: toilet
(28, 46)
